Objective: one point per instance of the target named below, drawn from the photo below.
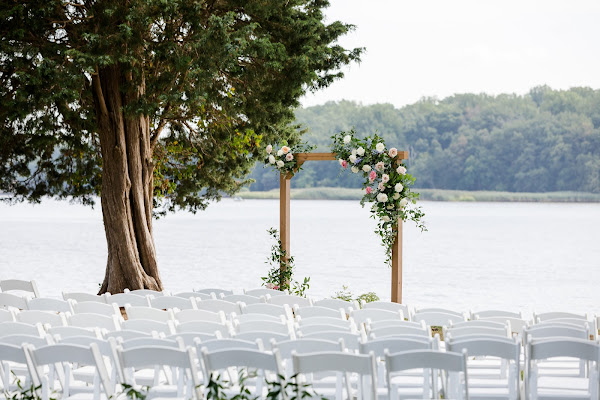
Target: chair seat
(560, 383)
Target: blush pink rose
(369, 190)
(289, 157)
(380, 166)
(344, 163)
(372, 176)
(393, 152)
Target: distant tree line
(547, 140)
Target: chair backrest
(336, 304)
(127, 334)
(81, 297)
(225, 344)
(374, 314)
(495, 314)
(149, 313)
(244, 298)
(19, 285)
(224, 330)
(42, 317)
(169, 302)
(431, 359)
(21, 328)
(439, 310)
(219, 305)
(263, 292)
(121, 299)
(435, 318)
(268, 309)
(7, 316)
(290, 300)
(103, 344)
(480, 322)
(351, 340)
(398, 330)
(384, 323)
(266, 338)
(395, 345)
(145, 292)
(308, 329)
(243, 318)
(50, 304)
(557, 314)
(96, 307)
(9, 353)
(337, 321)
(189, 338)
(66, 354)
(149, 342)
(476, 330)
(200, 315)
(181, 362)
(195, 295)
(304, 346)
(92, 320)
(547, 331)
(12, 300)
(516, 324)
(148, 325)
(71, 331)
(318, 311)
(389, 306)
(335, 361)
(269, 326)
(218, 292)
(20, 339)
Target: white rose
(360, 151)
(385, 178)
(380, 147)
(289, 157)
(354, 152)
(390, 207)
(403, 202)
(354, 169)
(385, 218)
(382, 197)
(381, 186)
(280, 164)
(271, 159)
(396, 196)
(352, 158)
(401, 170)
(347, 139)
(269, 149)
(398, 188)
(366, 168)
(279, 153)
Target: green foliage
(24, 393)
(346, 295)
(283, 159)
(281, 272)
(212, 81)
(544, 141)
(132, 393)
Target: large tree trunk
(127, 185)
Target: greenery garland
(387, 184)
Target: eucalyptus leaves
(387, 184)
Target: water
(514, 256)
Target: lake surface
(515, 256)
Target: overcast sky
(438, 48)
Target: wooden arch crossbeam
(284, 219)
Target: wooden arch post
(284, 220)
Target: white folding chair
(318, 311)
(454, 381)
(351, 340)
(200, 315)
(7, 316)
(290, 300)
(73, 331)
(197, 296)
(96, 307)
(184, 374)
(516, 324)
(538, 386)
(268, 309)
(218, 292)
(224, 329)
(50, 304)
(375, 314)
(145, 292)
(263, 292)
(389, 306)
(60, 358)
(219, 305)
(264, 363)
(244, 298)
(501, 380)
(127, 334)
(337, 321)
(397, 331)
(87, 373)
(19, 286)
(265, 337)
(42, 317)
(21, 328)
(189, 338)
(483, 314)
(149, 313)
(243, 318)
(436, 318)
(13, 363)
(473, 330)
(81, 297)
(121, 299)
(277, 327)
(336, 304)
(9, 300)
(303, 346)
(557, 314)
(148, 325)
(92, 320)
(171, 302)
(361, 364)
(439, 310)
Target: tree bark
(127, 185)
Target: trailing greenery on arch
(387, 183)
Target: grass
(329, 193)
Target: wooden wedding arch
(284, 219)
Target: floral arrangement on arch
(283, 158)
(387, 183)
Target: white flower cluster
(284, 153)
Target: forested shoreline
(544, 141)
